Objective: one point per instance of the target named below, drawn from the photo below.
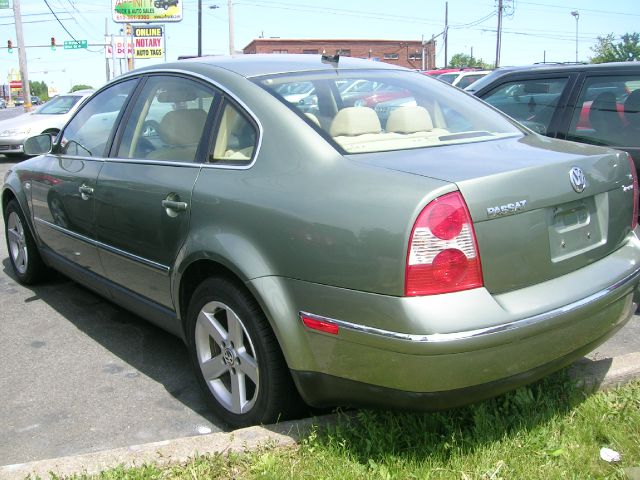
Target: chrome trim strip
(147, 263)
(506, 327)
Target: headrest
(353, 121)
(632, 108)
(182, 127)
(409, 119)
(177, 95)
(313, 118)
(603, 114)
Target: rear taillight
(634, 175)
(443, 252)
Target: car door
(143, 195)
(535, 100)
(63, 194)
(606, 111)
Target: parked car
(49, 118)
(18, 101)
(3, 104)
(463, 79)
(596, 104)
(449, 257)
(35, 100)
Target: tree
(461, 60)
(40, 89)
(75, 88)
(607, 50)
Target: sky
(533, 31)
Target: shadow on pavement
(145, 347)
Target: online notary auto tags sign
(146, 11)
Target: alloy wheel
(17, 243)
(227, 357)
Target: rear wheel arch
(197, 272)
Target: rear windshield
(377, 110)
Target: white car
(463, 79)
(49, 118)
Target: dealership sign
(147, 42)
(146, 11)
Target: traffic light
(9, 46)
(53, 43)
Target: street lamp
(576, 14)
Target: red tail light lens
(443, 253)
(634, 175)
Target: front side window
(608, 112)
(532, 102)
(167, 121)
(382, 110)
(88, 133)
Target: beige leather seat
(180, 131)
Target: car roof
(254, 65)
(542, 68)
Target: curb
(590, 374)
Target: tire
(26, 262)
(237, 359)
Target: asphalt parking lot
(80, 374)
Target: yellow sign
(147, 32)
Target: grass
(549, 430)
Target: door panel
(142, 218)
(63, 208)
(63, 196)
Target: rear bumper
(321, 390)
(445, 350)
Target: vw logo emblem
(578, 180)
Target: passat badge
(578, 180)
(507, 209)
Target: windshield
(391, 110)
(58, 105)
(448, 77)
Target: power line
(65, 28)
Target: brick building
(406, 53)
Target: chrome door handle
(174, 205)
(85, 191)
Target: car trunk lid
(532, 221)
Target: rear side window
(87, 135)
(608, 112)
(532, 102)
(236, 139)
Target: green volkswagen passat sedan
(320, 253)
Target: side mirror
(38, 145)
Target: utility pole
(499, 35)
(231, 46)
(199, 28)
(106, 59)
(446, 33)
(22, 56)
